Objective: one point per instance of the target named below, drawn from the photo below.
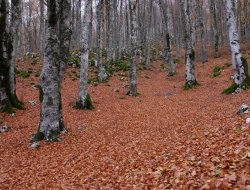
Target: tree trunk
(167, 43)
(213, 12)
(133, 74)
(65, 33)
(42, 26)
(8, 98)
(200, 24)
(14, 31)
(237, 60)
(189, 40)
(84, 101)
(50, 120)
(102, 76)
(110, 50)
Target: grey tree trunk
(64, 37)
(42, 26)
(110, 50)
(148, 35)
(14, 31)
(8, 98)
(214, 21)
(84, 99)
(133, 74)
(50, 120)
(167, 43)
(237, 60)
(189, 40)
(102, 76)
(199, 4)
(65, 33)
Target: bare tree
(50, 120)
(84, 101)
(8, 98)
(167, 43)
(241, 77)
(215, 30)
(189, 40)
(102, 76)
(133, 73)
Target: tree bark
(133, 73)
(102, 76)
(14, 31)
(50, 121)
(8, 98)
(167, 43)
(239, 73)
(189, 40)
(213, 12)
(84, 99)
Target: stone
(244, 108)
(4, 129)
(32, 103)
(248, 120)
(35, 145)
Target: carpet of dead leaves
(165, 138)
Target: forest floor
(166, 138)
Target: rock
(4, 129)
(248, 120)
(35, 145)
(32, 103)
(244, 108)
(238, 90)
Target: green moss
(216, 71)
(190, 85)
(8, 108)
(94, 80)
(87, 105)
(245, 84)
(24, 74)
(39, 136)
(53, 136)
(176, 60)
(231, 89)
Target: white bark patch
(239, 74)
(85, 54)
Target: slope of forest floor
(166, 138)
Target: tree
(50, 120)
(133, 73)
(111, 39)
(8, 98)
(200, 20)
(241, 77)
(102, 76)
(189, 42)
(14, 34)
(84, 100)
(214, 21)
(167, 43)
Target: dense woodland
(124, 94)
